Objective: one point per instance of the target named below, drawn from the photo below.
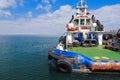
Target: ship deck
(97, 53)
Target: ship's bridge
(81, 21)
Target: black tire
(86, 43)
(106, 47)
(50, 57)
(76, 44)
(115, 49)
(118, 33)
(64, 65)
(107, 36)
(94, 43)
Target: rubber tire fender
(107, 36)
(50, 57)
(118, 33)
(64, 65)
(94, 42)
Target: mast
(81, 2)
(81, 7)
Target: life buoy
(64, 65)
(88, 13)
(68, 28)
(77, 28)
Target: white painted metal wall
(69, 38)
(100, 40)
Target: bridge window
(82, 22)
(76, 22)
(88, 22)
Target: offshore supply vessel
(85, 47)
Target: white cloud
(4, 5)
(30, 14)
(7, 3)
(5, 13)
(39, 6)
(46, 1)
(46, 24)
(54, 23)
(46, 5)
(109, 16)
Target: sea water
(25, 58)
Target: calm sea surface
(25, 58)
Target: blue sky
(35, 16)
(21, 8)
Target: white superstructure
(83, 22)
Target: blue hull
(72, 62)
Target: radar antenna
(82, 1)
